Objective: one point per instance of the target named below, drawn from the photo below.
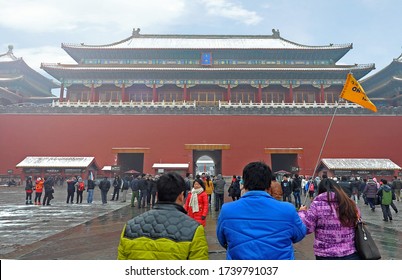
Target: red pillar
(123, 93)
(259, 95)
(185, 93)
(61, 93)
(154, 93)
(322, 95)
(92, 98)
(228, 94)
(290, 94)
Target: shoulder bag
(365, 244)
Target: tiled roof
(171, 165)
(360, 164)
(205, 42)
(77, 162)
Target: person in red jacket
(197, 202)
(38, 190)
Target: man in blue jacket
(257, 226)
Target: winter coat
(296, 184)
(220, 185)
(39, 186)
(134, 185)
(29, 186)
(202, 208)
(385, 192)
(165, 232)
(48, 185)
(257, 226)
(332, 239)
(371, 189)
(234, 189)
(91, 184)
(346, 187)
(276, 190)
(71, 186)
(209, 187)
(104, 185)
(286, 187)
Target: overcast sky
(36, 28)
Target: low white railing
(193, 104)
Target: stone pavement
(91, 231)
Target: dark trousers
(371, 202)
(297, 199)
(116, 192)
(37, 197)
(218, 201)
(287, 197)
(79, 196)
(47, 198)
(70, 196)
(143, 198)
(386, 212)
(394, 207)
(104, 196)
(28, 198)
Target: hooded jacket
(371, 189)
(332, 239)
(385, 192)
(258, 227)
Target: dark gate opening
(286, 162)
(131, 161)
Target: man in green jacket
(165, 232)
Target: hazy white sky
(36, 28)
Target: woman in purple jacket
(332, 217)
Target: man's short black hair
(169, 186)
(257, 176)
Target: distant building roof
(61, 162)
(360, 164)
(170, 165)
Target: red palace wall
(166, 135)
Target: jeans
(297, 199)
(90, 196)
(104, 196)
(371, 202)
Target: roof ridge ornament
(10, 48)
(276, 33)
(136, 32)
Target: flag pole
(322, 148)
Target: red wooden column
(92, 97)
(185, 93)
(322, 95)
(259, 94)
(61, 93)
(228, 94)
(290, 97)
(123, 93)
(154, 93)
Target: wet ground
(92, 231)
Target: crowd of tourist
(262, 205)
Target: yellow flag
(353, 92)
